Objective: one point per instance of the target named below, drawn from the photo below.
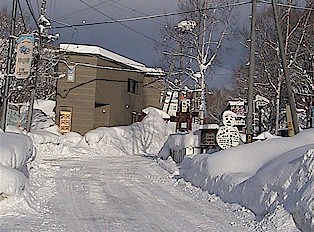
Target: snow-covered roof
(155, 72)
(236, 103)
(95, 50)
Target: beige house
(101, 88)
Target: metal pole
(249, 119)
(8, 67)
(292, 104)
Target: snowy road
(121, 193)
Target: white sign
(24, 56)
(71, 74)
(261, 101)
(184, 106)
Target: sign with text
(24, 56)
(13, 115)
(65, 119)
(71, 74)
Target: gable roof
(95, 50)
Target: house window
(132, 86)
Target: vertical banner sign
(71, 74)
(65, 119)
(24, 56)
(289, 121)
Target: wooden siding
(80, 95)
(152, 92)
(102, 116)
(112, 89)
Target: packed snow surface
(114, 179)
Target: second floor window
(132, 86)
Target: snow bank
(262, 175)
(177, 142)
(40, 120)
(12, 181)
(161, 113)
(145, 137)
(16, 151)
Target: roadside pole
(8, 67)
(295, 120)
(44, 24)
(249, 122)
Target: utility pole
(249, 122)
(8, 67)
(295, 120)
(44, 24)
(203, 106)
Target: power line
(289, 5)
(29, 5)
(154, 16)
(86, 9)
(130, 9)
(121, 23)
(21, 13)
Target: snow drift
(16, 151)
(145, 137)
(262, 175)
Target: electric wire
(29, 5)
(288, 5)
(157, 15)
(21, 13)
(147, 37)
(129, 9)
(86, 9)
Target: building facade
(101, 88)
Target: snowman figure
(228, 135)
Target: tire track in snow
(81, 214)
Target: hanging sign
(24, 56)
(71, 74)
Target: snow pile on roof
(262, 175)
(16, 152)
(89, 49)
